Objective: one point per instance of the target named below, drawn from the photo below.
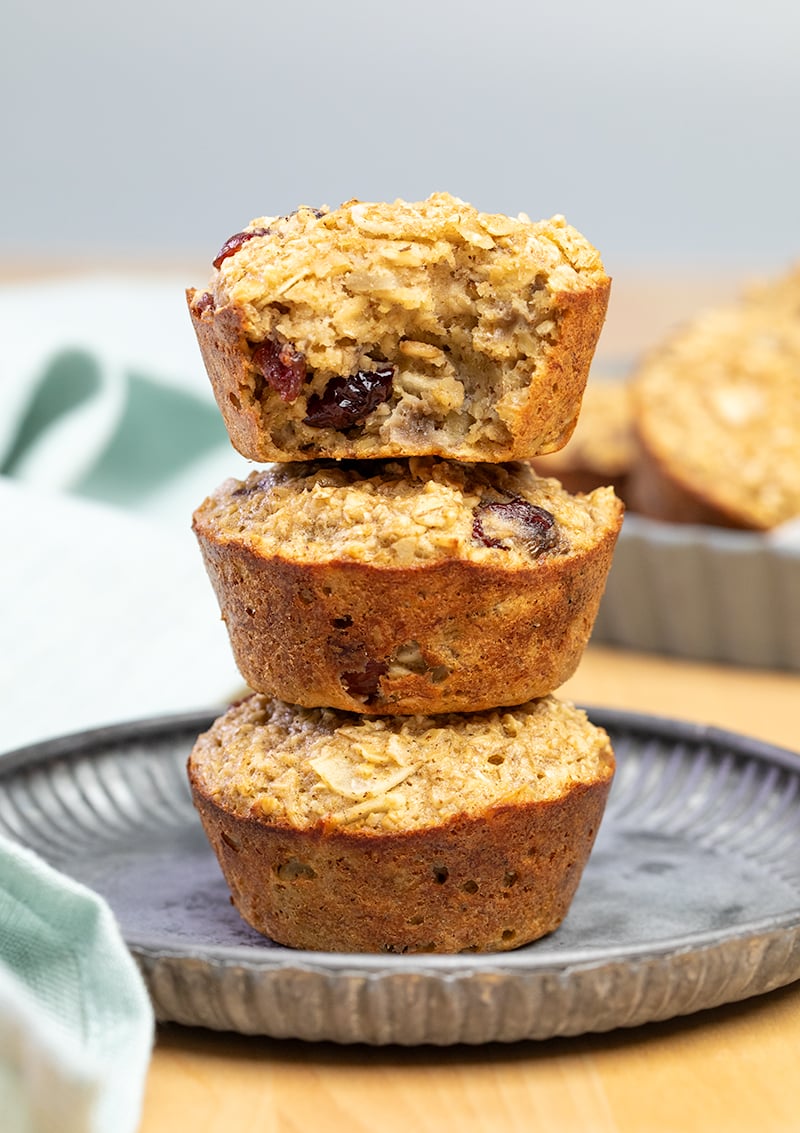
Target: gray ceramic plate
(691, 898)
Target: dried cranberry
(365, 684)
(204, 303)
(235, 242)
(349, 401)
(250, 487)
(534, 525)
(283, 367)
(315, 212)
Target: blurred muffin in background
(706, 429)
(716, 413)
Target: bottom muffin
(349, 833)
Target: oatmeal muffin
(379, 330)
(404, 587)
(402, 834)
(717, 415)
(602, 448)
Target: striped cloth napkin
(109, 437)
(76, 1025)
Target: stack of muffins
(402, 592)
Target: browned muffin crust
(602, 449)
(478, 845)
(377, 589)
(380, 330)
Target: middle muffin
(406, 587)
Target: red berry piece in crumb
(235, 242)
(365, 684)
(349, 401)
(316, 213)
(250, 487)
(283, 367)
(496, 522)
(204, 303)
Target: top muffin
(382, 330)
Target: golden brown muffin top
(398, 513)
(302, 767)
(361, 265)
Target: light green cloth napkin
(103, 394)
(109, 437)
(76, 1024)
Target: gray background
(667, 133)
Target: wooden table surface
(731, 1069)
